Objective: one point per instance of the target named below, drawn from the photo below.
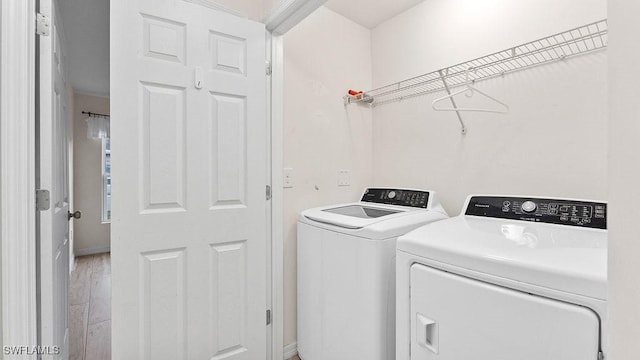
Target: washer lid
(370, 221)
(355, 215)
(361, 211)
(563, 258)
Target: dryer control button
(391, 194)
(529, 206)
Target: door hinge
(268, 192)
(269, 69)
(43, 200)
(268, 317)
(42, 25)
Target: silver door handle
(74, 215)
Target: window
(106, 180)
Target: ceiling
(370, 13)
(86, 28)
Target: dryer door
(457, 318)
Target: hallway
(90, 308)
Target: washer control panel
(402, 197)
(553, 211)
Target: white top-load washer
(346, 272)
(510, 278)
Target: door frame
(275, 84)
(284, 16)
(18, 173)
(18, 287)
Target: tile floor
(90, 308)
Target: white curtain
(98, 127)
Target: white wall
(624, 177)
(253, 9)
(268, 5)
(90, 234)
(324, 56)
(440, 33)
(553, 141)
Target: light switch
(287, 178)
(344, 178)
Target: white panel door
(189, 160)
(54, 176)
(456, 318)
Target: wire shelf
(581, 40)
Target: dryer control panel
(401, 197)
(553, 211)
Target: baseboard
(290, 351)
(91, 251)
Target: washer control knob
(391, 194)
(529, 206)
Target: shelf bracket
(358, 99)
(453, 101)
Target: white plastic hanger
(469, 90)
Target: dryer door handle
(427, 333)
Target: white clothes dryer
(346, 272)
(510, 278)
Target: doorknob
(75, 214)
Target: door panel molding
(189, 155)
(17, 173)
